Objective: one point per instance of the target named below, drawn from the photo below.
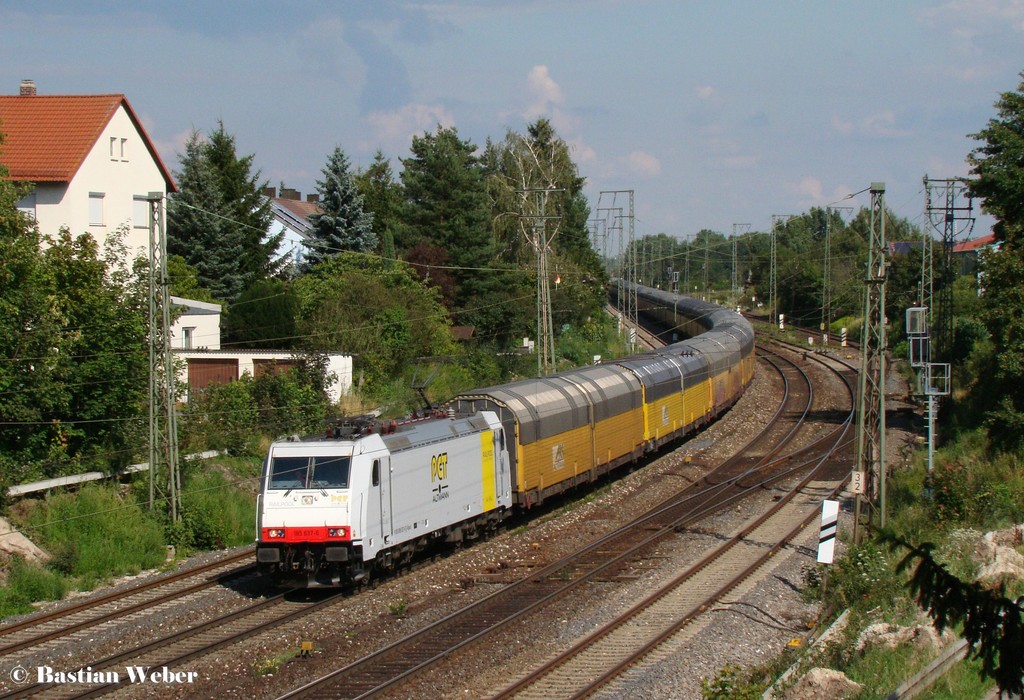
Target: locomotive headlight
(275, 533)
(337, 531)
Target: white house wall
(338, 365)
(118, 178)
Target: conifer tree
(197, 227)
(242, 192)
(342, 224)
(382, 197)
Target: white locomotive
(333, 509)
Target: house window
(140, 212)
(124, 150)
(113, 148)
(187, 336)
(27, 205)
(96, 209)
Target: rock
(823, 684)
(996, 557)
(14, 543)
(893, 637)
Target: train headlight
(337, 532)
(272, 533)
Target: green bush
(221, 417)
(96, 534)
(215, 514)
(286, 405)
(970, 490)
(864, 577)
(34, 583)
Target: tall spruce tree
(342, 224)
(382, 197)
(197, 225)
(242, 192)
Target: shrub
(864, 577)
(222, 417)
(34, 583)
(215, 514)
(95, 533)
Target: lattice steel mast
(163, 422)
(944, 218)
(871, 389)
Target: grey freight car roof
(425, 432)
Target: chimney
(270, 192)
(313, 198)
(28, 87)
(289, 193)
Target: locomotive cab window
(330, 472)
(376, 472)
(305, 473)
(288, 472)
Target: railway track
(175, 649)
(70, 621)
(664, 614)
(602, 560)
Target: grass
(969, 492)
(102, 531)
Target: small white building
(198, 325)
(195, 337)
(205, 367)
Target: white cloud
(705, 92)
(394, 130)
(881, 125)
(643, 164)
(808, 189)
(546, 99)
(581, 151)
(809, 192)
(543, 86)
(973, 23)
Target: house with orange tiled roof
(89, 160)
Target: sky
(714, 113)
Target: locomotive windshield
(309, 473)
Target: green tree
(242, 192)
(30, 334)
(264, 316)
(105, 307)
(446, 207)
(383, 316)
(537, 199)
(73, 359)
(998, 169)
(382, 197)
(197, 225)
(342, 224)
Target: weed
(268, 667)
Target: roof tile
(47, 137)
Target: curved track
(601, 560)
